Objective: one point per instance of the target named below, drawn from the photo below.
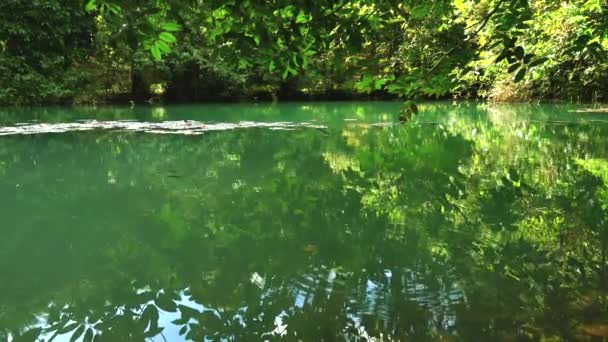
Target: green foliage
(460, 48)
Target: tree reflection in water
(484, 225)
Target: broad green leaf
(155, 52)
(164, 47)
(302, 17)
(91, 5)
(167, 37)
(171, 26)
(114, 8)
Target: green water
(471, 223)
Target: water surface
(470, 223)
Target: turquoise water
(311, 222)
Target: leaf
(114, 8)
(520, 75)
(183, 330)
(301, 18)
(168, 37)
(188, 312)
(76, 335)
(171, 26)
(538, 62)
(528, 58)
(88, 335)
(91, 5)
(513, 67)
(150, 315)
(166, 303)
(155, 52)
(271, 66)
(164, 47)
(503, 55)
(519, 52)
(67, 328)
(153, 332)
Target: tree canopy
(197, 50)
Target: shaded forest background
(93, 51)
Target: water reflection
(467, 224)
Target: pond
(309, 221)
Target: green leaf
(171, 26)
(514, 67)
(150, 315)
(520, 75)
(164, 47)
(155, 52)
(91, 5)
(114, 8)
(166, 303)
(67, 328)
(519, 52)
(503, 55)
(168, 37)
(183, 330)
(153, 332)
(271, 66)
(538, 62)
(301, 18)
(88, 335)
(528, 58)
(76, 335)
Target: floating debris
(185, 127)
(590, 110)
